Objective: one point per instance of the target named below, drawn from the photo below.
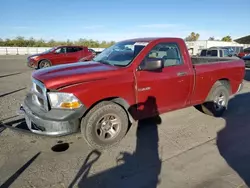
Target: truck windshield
(121, 53)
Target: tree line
(195, 36)
(31, 42)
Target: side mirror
(152, 64)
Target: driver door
(59, 56)
(166, 89)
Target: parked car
(230, 52)
(236, 49)
(245, 52)
(217, 52)
(93, 52)
(247, 60)
(233, 50)
(60, 55)
(129, 81)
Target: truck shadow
(7, 75)
(5, 94)
(233, 141)
(2, 127)
(19, 123)
(138, 169)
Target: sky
(123, 19)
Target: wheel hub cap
(108, 127)
(220, 101)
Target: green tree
(1, 42)
(69, 42)
(40, 43)
(31, 42)
(227, 38)
(8, 42)
(20, 41)
(52, 43)
(192, 37)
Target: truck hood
(64, 75)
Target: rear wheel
(44, 64)
(105, 125)
(217, 99)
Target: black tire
(219, 89)
(44, 63)
(90, 125)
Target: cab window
(60, 50)
(72, 49)
(169, 52)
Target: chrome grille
(39, 94)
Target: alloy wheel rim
(220, 101)
(108, 127)
(46, 64)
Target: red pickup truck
(60, 55)
(131, 80)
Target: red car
(131, 80)
(60, 55)
(245, 52)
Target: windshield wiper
(108, 63)
(119, 65)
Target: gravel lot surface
(185, 149)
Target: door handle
(181, 73)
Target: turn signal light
(71, 105)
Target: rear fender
(225, 82)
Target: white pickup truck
(216, 52)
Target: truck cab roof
(150, 39)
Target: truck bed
(210, 69)
(207, 60)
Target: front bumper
(31, 63)
(52, 123)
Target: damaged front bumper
(55, 122)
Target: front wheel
(44, 64)
(105, 125)
(217, 100)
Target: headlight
(34, 57)
(63, 100)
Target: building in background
(243, 40)
(195, 47)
